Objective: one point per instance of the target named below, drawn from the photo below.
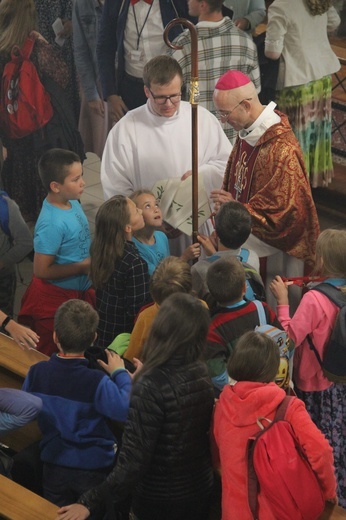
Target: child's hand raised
(207, 244)
(279, 289)
(114, 362)
(191, 252)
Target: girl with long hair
(164, 458)
(118, 273)
(315, 316)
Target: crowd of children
(182, 358)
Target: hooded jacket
(235, 421)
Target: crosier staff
(194, 98)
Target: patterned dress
(48, 11)
(20, 177)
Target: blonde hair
(172, 275)
(17, 19)
(134, 196)
(331, 253)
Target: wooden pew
(14, 365)
(333, 513)
(18, 503)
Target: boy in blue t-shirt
(151, 241)
(61, 244)
(78, 446)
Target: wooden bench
(14, 366)
(18, 503)
(333, 513)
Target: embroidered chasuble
(245, 166)
(271, 180)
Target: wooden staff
(194, 98)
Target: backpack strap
(253, 487)
(333, 293)
(28, 46)
(261, 313)
(244, 254)
(282, 408)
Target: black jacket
(164, 459)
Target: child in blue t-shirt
(61, 244)
(151, 242)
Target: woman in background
(18, 19)
(94, 123)
(297, 34)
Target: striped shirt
(221, 47)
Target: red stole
(245, 161)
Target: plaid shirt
(125, 293)
(221, 47)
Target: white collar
(174, 116)
(265, 120)
(206, 23)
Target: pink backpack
(278, 468)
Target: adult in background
(221, 47)
(131, 34)
(297, 33)
(247, 14)
(153, 142)
(266, 172)
(48, 11)
(93, 120)
(19, 175)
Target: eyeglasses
(161, 100)
(222, 114)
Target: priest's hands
(220, 197)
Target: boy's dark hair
(233, 224)
(161, 70)
(226, 280)
(172, 275)
(75, 324)
(215, 6)
(54, 166)
(255, 357)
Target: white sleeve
(334, 19)
(216, 150)
(276, 28)
(117, 165)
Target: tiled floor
(92, 199)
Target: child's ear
(56, 341)
(95, 337)
(54, 186)
(128, 228)
(244, 289)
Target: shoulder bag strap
(261, 313)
